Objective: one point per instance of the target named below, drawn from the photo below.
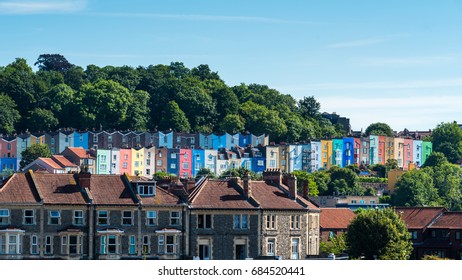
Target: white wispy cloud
(199, 17)
(41, 7)
(364, 42)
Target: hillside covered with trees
(160, 97)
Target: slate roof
(419, 217)
(18, 189)
(79, 152)
(271, 197)
(162, 197)
(449, 220)
(219, 194)
(110, 190)
(51, 163)
(63, 161)
(336, 218)
(58, 188)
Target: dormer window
(145, 190)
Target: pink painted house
(382, 150)
(185, 168)
(408, 154)
(126, 161)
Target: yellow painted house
(138, 162)
(399, 151)
(326, 153)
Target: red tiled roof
(219, 194)
(63, 161)
(51, 163)
(335, 218)
(449, 220)
(18, 189)
(79, 152)
(419, 217)
(307, 202)
(58, 188)
(162, 197)
(271, 197)
(110, 190)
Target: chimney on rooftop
(247, 185)
(292, 184)
(305, 184)
(84, 178)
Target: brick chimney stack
(292, 184)
(84, 178)
(247, 185)
(305, 189)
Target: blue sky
(398, 62)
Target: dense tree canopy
(33, 152)
(379, 129)
(447, 139)
(378, 234)
(123, 97)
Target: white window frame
(174, 217)
(48, 245)
(295, 222)
(146, 248)
(52, 215)
(100, 218)
(125, 218)
(239, 222)
(78, 219)
(151, 218)
(271, 246)
(4, 216)
(205, 218)
(34, 248)
(271, 221)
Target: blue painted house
(173, 161)
(165, 139)
(258, 160)
(348, 151)
(337, 151)
(245, 139)
(8, 164)
(205, 141)
(219, 141)
(81, 139)
(198, 161)
(374, 149)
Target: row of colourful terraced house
(186, 159)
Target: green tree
(138, 111)
(104, 103)
(205, 172)
(9, 115)
(415, 188)
(378, 234)
(435, 159)
(33, 152)
(41, 120)
(232, 123)
(379, 129)
(447, 139)
(174, 118)
(344, 181)
(18, 81)
(391, 164)
(304, 177)
(447, 179)
(53, 62)
(335, 245)
(322, 180)
(309, 107)
(260, 120)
